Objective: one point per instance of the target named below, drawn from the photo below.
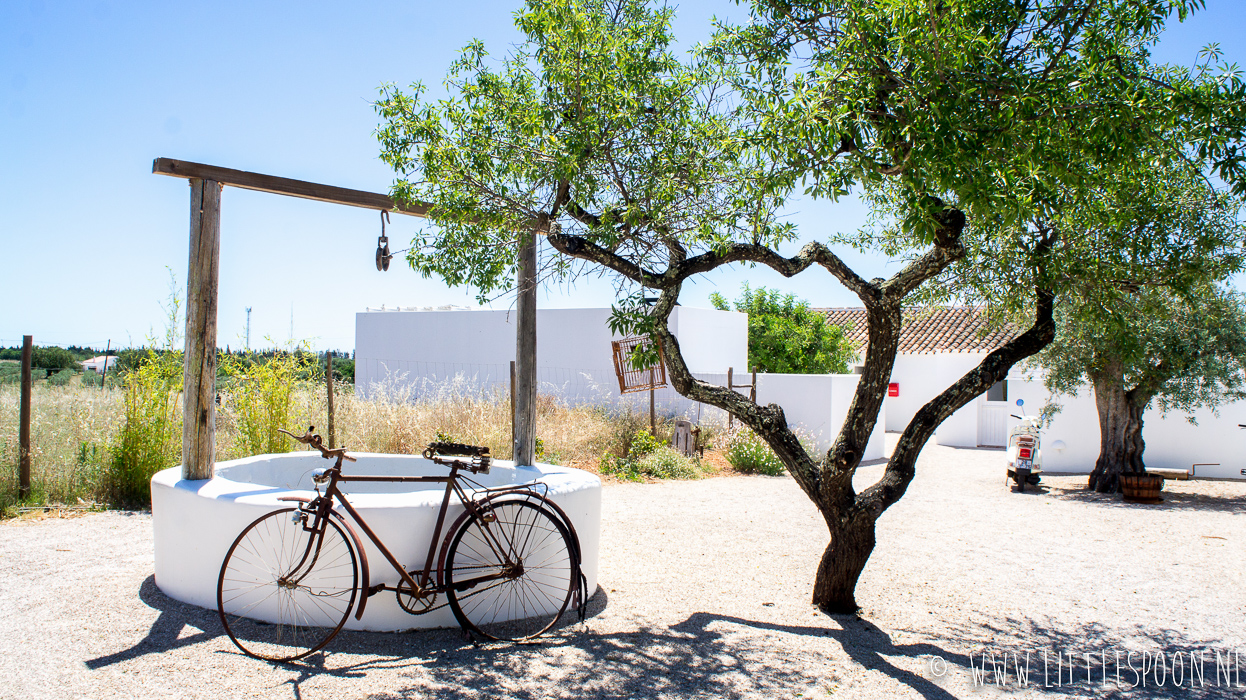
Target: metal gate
(992, 424)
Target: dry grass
(73, 427)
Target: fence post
(513, 443)
(328, 373)
(23, 439)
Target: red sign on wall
(893, 389)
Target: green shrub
(62, 377)
(750, 454)
(151, 437)
(647, 457)
(261, 399)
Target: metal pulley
(383, 256)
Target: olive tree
(971, 117)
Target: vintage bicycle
(509, 566)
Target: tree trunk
(852, 542)
(1120, 429)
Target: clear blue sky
(91, 92)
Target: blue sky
(91, 92)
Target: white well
(195, 522)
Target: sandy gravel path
(704, 594)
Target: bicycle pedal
(373, 590)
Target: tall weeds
(261, 398)
(150, 438)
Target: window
(998, 391)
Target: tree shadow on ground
(1173, 500)
(707, 655)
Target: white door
(993, 423)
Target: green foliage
(62, 377)
(1185, 351)
(648, 457)
(260, 399)
(750, 454)
(592, 122)
(10, 372)
(785, 336)
(151, 437)
(53, 358)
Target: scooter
(1025, 458)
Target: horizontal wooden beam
(284, 185)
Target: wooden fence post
(512, 408)
(525, 355)
(23, 431)
(328, 373)
(199, 371)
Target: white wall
(1216, 444)
(815, 405)
(573, 348)
(924, 376)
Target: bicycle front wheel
(285, 590)
(509, 572)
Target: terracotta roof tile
(930, 329)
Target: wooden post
(512, 406)
(199, 371)
(104, 374)
(752, 392)
(525, 354)
(328, 373)
(653, 426)
(23, 431)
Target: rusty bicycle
(509, 566)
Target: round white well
(195, 522)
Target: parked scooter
(1025, 456)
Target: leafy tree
(784, 335)
(51, 357)
(973, 118)
(1180, 351)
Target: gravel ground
(704, 593)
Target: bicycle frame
(321, 508)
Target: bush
(261, 399)
(151, 437)
(647, 457)
(52, 357)
(750, 454)
(62, 377)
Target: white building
(937, 346)
(97, 364)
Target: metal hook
(383, 255)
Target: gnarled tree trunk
(1120, 428)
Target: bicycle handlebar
(315, 441)
(479, 464)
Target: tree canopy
(786, 336)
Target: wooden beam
(199, 370)
(286, 186)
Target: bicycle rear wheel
(284, 590)
(510, 575)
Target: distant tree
(786, 336)
(52, 357)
